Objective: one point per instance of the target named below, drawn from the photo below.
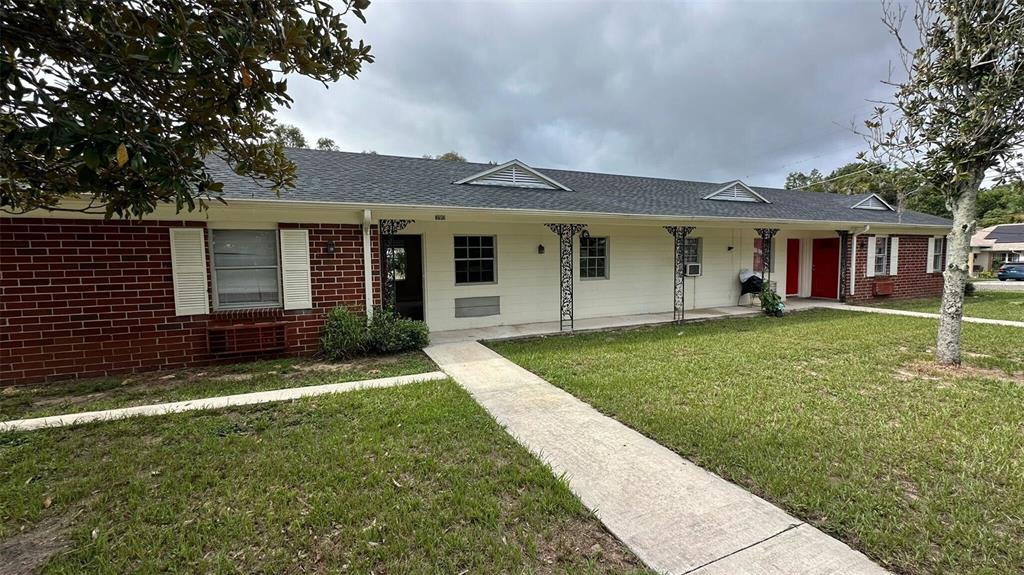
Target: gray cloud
(709, 91)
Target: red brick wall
(82, 298)
(912, 278)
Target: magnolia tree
(123, 102)
(956, 117)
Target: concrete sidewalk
(885, 311)
(677, 517)
(215, 402)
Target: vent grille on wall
(872, 202)
(737, 192)
(513, 176)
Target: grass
(986, 304)
(840, 418)
(410, 479)
(19, 402)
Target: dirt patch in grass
(589, 539)
(29, 551)
(931, 371)
(37, 400)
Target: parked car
(1011, 272)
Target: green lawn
(987, 304)
(18, 402)
(840, 418)
(414, 479)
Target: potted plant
(771, 303)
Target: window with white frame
(474, 259)
(692, 256)
(246, 269)
(593, 258)
(939, 254)
(881, 262)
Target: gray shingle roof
(370, 179)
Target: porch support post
(766, 251)
(844, 245)
(388, 229)
(679, 234)
(565, 280)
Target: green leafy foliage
(347, 334)
(124, 103)
(771, 302)
(289, 136)
(390, 333)
(326, 144)
(1000, 204)
(344, 334)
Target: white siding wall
(640, 270)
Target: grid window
(882, 256)
(939, 256)
(691, 251)
(593, 258)
(474, 259)
(245, 268)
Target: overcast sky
(703, 91)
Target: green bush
(344, 334)
(771, 303)
(969, 289)
(389, 333)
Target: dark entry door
(825, 268)
(792, 267)
(407, 259)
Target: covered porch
(502, 276)
(501, 332)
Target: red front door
(792, 267)
(825, 268)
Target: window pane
(474, 259)
(247, 287)
(244, 248)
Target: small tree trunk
(958, 248)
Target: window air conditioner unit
(693, 269)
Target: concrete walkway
(215, 402)
(677, 517)
(884, 311)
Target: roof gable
(873, 202)
(513, 174)
(736, 191)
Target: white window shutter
(894, 255)
(871, 257)
(188, 271)
(295, 277)
(931, 256)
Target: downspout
(367, 264)
(853, 260)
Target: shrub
(344, 334)
(969, 289)
(771, 303)
(389, 333)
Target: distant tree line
(999, 204)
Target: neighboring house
(472, 245)
(994, 246)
